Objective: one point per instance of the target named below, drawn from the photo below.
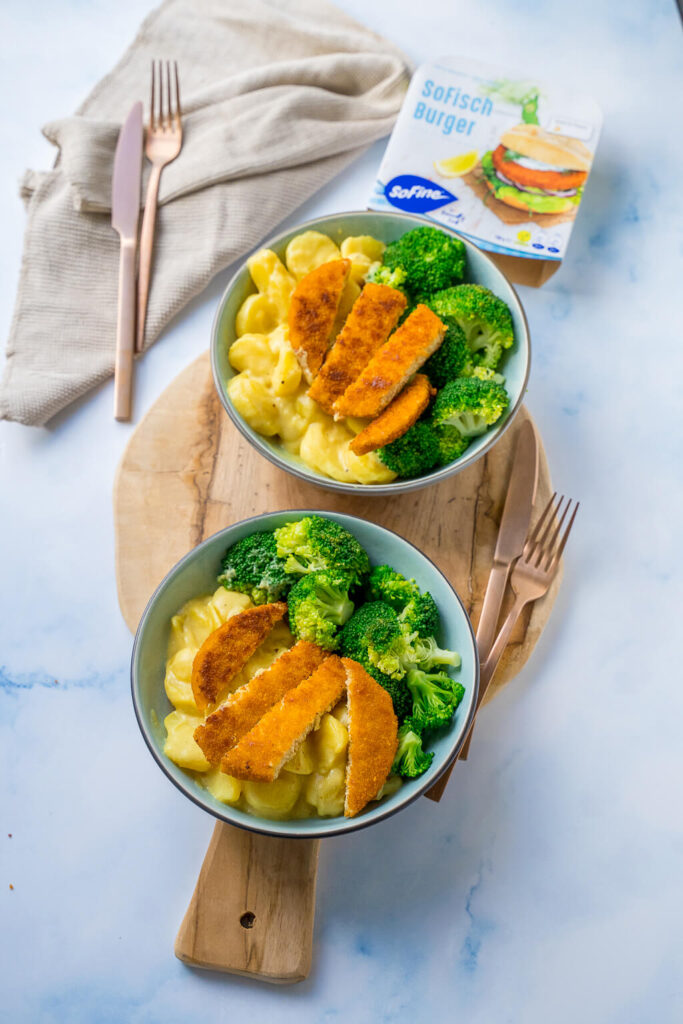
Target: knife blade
(512, 532)
(125, 211)
(126, 180)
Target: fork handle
(485, 676)
(495, 654)
(493, 600)
(491, 662)
(146, 249)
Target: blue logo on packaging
(417, 195)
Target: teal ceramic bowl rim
(311, 476)
(261, 825)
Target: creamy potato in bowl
(308, 428)
(195, 575)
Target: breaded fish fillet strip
(392, 365)
(227, 650)
(372, 318)
(243, 708)
(373, 737)
(398, 416)
(312, 312)
(260, 755)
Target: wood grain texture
(253, 907)
(186, 473)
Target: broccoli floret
(374, 633)
(382, 274)
(374, 638)
(484, 319)
(251, 566)
(417, 612)
(451, 359)
(318, 604)
(433, 699)
(420, 616)
(430, 654)
(386, 584)
(400, 695)
(470, 405)
(458, 692)
(411, 760)
(313, 544)
(484, 373)
(430, 259)
(413, 454)
(452, 444)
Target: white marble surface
(547, 884)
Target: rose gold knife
(512, 534)
(125, 210)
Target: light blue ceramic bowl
(195, 574)
(387, 227)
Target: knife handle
(490, 612)
(125, 332)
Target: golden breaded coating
(398, 416)
(243, 708)
(261, 753)
(372, 318)
(312, 311)
(227, 650)
(392, 365)
(373, 737)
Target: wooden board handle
(253, 907)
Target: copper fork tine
(534, 570)
(163, 143)
(545, 518)
(531, 578)
(556, 552)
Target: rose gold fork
(534, 570)
(531, 577)
(163, 143)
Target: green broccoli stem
(470, 424)
(335, 604)
(294, 565)
(429, 654)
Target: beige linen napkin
(278, 97)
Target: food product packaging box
(501, 159)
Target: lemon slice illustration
(456, 166)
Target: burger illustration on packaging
(502, 159)
(537, 172)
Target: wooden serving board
(186, 473)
